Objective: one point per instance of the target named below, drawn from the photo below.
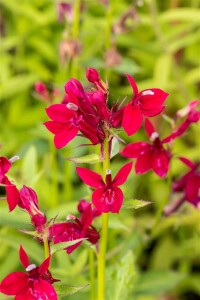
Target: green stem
(46, 248)
(75, 35)
(54, 178)
(68, 188)
(92, 275)
(104, 231)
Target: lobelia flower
(35, 284)
(192, 116)
(83, 205)
(29, 202)
(147, 103)
(149, 155)
(189, 183)
(69, 231)
(12, 194)
(107, 196)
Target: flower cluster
(87, 112)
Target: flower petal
(192, 188)
(160, 163)
(187, 162)
(5, 165)
(90, 178)
(154, 111)
(55, 127)
(149, 128)
(122, 175)
(132, 118)
(133, 84)
(134, 150)
(152, 98)
(26, 294)
(144, 163)
(12, 194)
(44, 290)
(109, 200)
(63, 138)
(23, 257)
(14, 283)
(60, 113)
(44, 266)
(87, 217)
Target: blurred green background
(158, 43)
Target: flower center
(31, 267)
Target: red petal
(133, 85)
(26, 294)
(87, 217)
(149, 127)
(134, 150)
(63, 138)
(192, 188)
(12, 194)
(44, 266)
(132, 119)
(14, 283)
(5, 165)
(59, 113)
(144, 163)
(44, 290)
(109, 200)
(55, 127)
(160, 163)
(187, 162)
(122, 175)
(152, 98)
(23, 257)
(154, 111)
(90, 178)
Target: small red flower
(107, 196)
(83, 205)
(147, 103)
(149, 156)
(35, 284)
(12, 194)
(69, 231)
(29, 202)
(189, 183)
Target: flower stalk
(104, 230)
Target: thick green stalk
(92, 274)
(54, 174)
(104, 231)
(46, 248)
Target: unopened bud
(92, 75)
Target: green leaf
(64, 289)
(123, 278)
(29, 167)
(162, 71)
(157, 282)
(62, 246)
(135, 204)
(89, 159)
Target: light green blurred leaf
(135, 204)
(65, 290)
(162, 71)
(89, 159)
(29, 166)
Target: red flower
(80, 228)
(189, 183)
(35, 284)
(83, 205)
(147, 103)
(29, 202)
(12, 194)
(107, 196)
(149, 156)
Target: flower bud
(74, 88)
(92, 75)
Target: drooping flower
(35, 284)
(147, 103)
(189, 183)
(29, 202)
(107, 196)
(149, 155)
(79, 228)
(12, 194)
(83, 205)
